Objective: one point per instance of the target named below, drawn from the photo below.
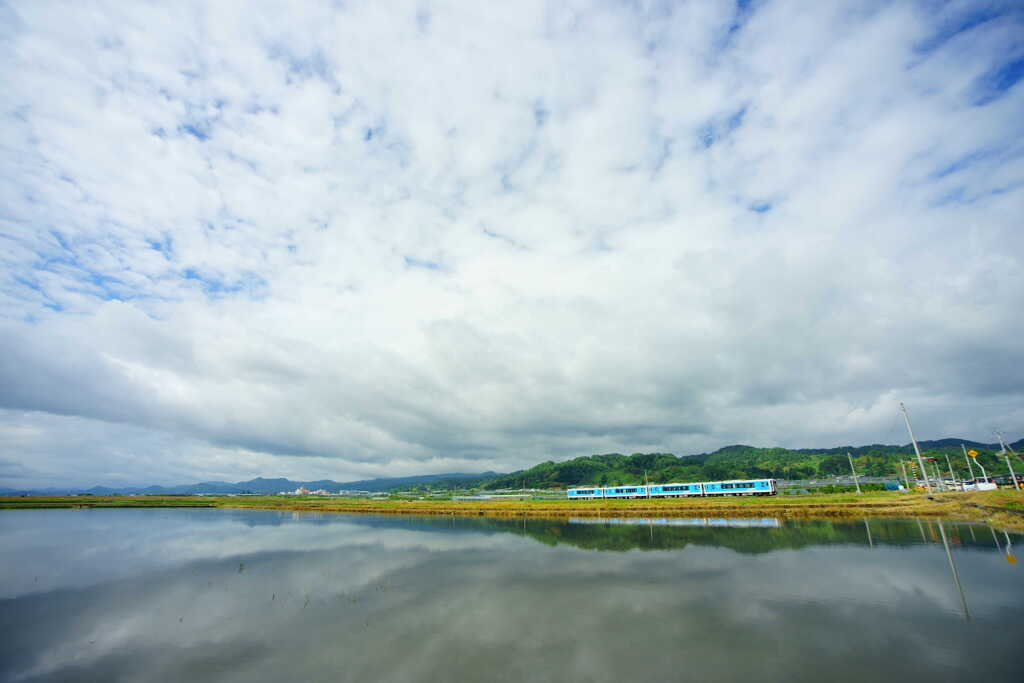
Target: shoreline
(1003, 508)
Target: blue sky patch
(217, 287)
(960, 23)
(198, 131)
(995, 83)
(719, 128)
(963, 163)
(411, 262)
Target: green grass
(1004, 505)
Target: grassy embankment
(37, 502)
(1004, 508)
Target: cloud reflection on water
(402, 599)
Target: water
(202, 595)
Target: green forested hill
(739, 462)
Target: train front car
(741, 487)
(675, 490)
(583, 493)
(625, 492)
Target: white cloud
(405, 238)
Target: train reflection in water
(763, 523)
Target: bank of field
(1004, 508)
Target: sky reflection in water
(259, 596)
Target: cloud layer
(356, 240)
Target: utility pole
(969, 468)
(1002, 442)
(920, 460)
(647, 486)
(1006, 452)
(1013, 476)
(857, 483)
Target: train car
(741, 487)
(735, 487)
(675, 490)
(624, 492)
(582, 493)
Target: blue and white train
(735, 487)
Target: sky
(357, 239)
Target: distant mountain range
(269, 486)
(730, 462)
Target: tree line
(748, 462)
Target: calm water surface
(223, 595)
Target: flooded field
(255, 595)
